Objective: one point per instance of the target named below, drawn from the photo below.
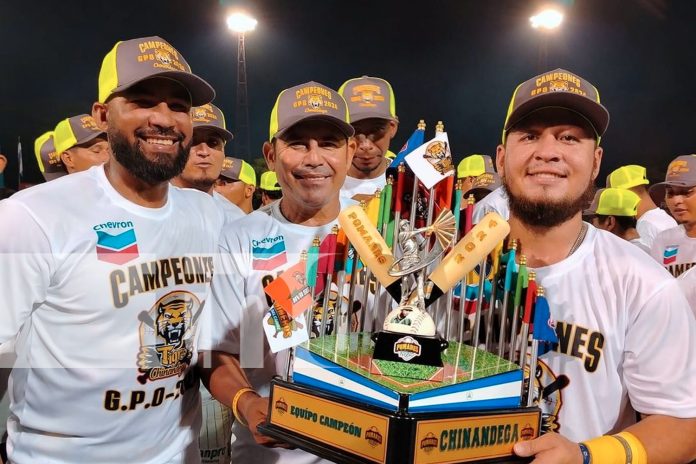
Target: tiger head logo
(173, 318)
(437, 154)
(163, 57)
(558, 86)
(677, 167)
(200, 114)
(367, 96)
(315, 101)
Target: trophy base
(347, 432)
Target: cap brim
(224, 133)
(657, 191)
(355, 117)
(594, 112)
(90, 137)
(343, 126)
(201, 92)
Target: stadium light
(241, 22)
(547, 19)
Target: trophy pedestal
(337, 409)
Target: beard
(202, 183)
(544, 213)
(131, 157)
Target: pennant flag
(282, 331)
(432, 161)
(387, 219)
(457, 210)
(510, 269)
(19, 158)
(544, 326)
(290, 291)
(372, 208)
(341, 250)
(312, 264)
(529, 301)
(413, 142)
(522, 282)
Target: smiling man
(310, 148)
(675, 248)
(372, 111)
(102, 293)
(624, 325)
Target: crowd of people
(133, 279)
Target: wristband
(606, 449)
(586, 457)
(235, 402)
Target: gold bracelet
(235, 402)
(637, 451)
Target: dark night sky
(456, 61)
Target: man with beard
(372, 111)
(675, 248)
(103, 275)
(623, 324)
(310, 148)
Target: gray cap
(369, 97)
(210, 116)
(681, 172)
(309, 101)
(49, 160)
(133, 61)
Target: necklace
(579, 239)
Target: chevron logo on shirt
(670, 254)
(269, 253)
(117, 249)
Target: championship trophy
(414, 388)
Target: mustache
(145, 133)
(315, 172)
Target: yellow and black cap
(50, 162)
(211, 117)
(557, 89)
(132, 61)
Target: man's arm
(26, 264)
(224, 378)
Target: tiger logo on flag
(669, 256)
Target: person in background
(236, 183)
(80, 143)
(269, 188)
(614, 210)
(49, 160)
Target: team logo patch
(429, 443)
(116, 248)
(281, 406)
(373, 437)
(670, 254)
(268, 253)
(407, 348)
(166, 336)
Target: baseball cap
(132, 61)
(628, 176)
(681, 172)
(558, 88)
(210, 116)
(49, 160)
(369, 97)
(474, 165)
(488, 181)
(614, 202)
(269, 181)
(309, 101)
(75, 131)
(237, 169)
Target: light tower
(241, 23)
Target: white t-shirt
(103, 296)
(253, 252)
(687, 282)
(674, 250)
(639, 243)
(352, 186)
(496, 201)
(624, 328)
(229, 210)
(652, 223)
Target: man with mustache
(310, 148)
(372, 110)
(102, 293)
(675, 248)
(623, 324)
